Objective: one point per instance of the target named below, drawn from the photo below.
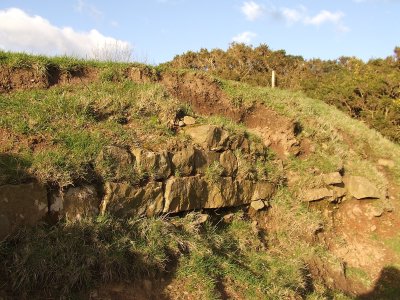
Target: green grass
(64, 259)
(394, 244)
(337, 137)
(359, 275)
(68, 127)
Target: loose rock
(257, 205)
(332, 178)
(361, 188)
(316, 194)
(189, 120)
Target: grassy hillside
(54, 133)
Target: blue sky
(157, 30)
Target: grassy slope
(56, 134)
(339, 139)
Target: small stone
(201, 218)
(228, 218)
(316, 194)
(257, 205)
(188, 120)
(181, 124)
(373, 228)
(374, 212)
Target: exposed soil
(21, 79)
(204, 95)
(277, 132)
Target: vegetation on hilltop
(367, 91)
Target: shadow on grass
(387, 287)
(13, 169)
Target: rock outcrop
(191, 176)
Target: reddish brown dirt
(278, 132)
(207, 98)
(204, 95)
(22, 79)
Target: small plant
(214, 172)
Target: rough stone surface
(185, 193)
(76, 203)
(246, 191)
(124, 200)
(262, 191)
(239, 141)
(257, 205)
(332, 178)
(23, 204)
(229, 163)
(183, 161)
(189, 120)
(361, 188)
(223, 193)
(316, 194)
(158, 165)
(338, 193)
(203, 159)
(209, 137)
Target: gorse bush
(367, 91)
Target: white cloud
(324, 16)
(301, 15)
(252, 10)
(292, 15)
(244, 37)
(34, 34)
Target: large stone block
(124, 200)
(209, 137)
(223, 193)
(183, 161)
(157, 165)
(22, 204)
(76, 203)
(185, 193)
(229, 163)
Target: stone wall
(212, 169)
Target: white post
(273, 79)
